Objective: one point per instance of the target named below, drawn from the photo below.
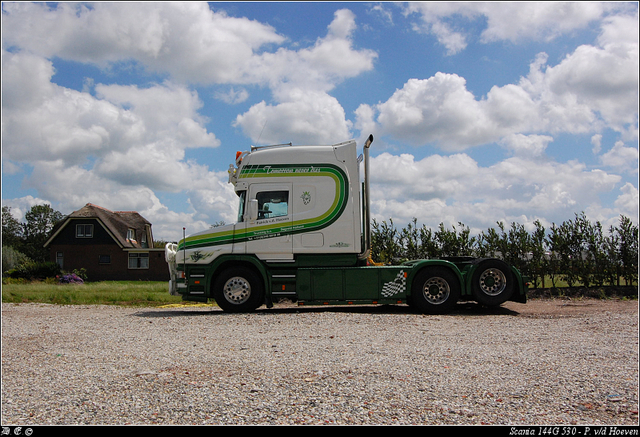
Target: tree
(556, 262)
(596, 265)
(384, 247)
(40, 220)
(538, 260)
(410, 240)
(11, 229)
(455, 242)
(628, 252)
(518, 248)
(611, 243)
(488, 244)
(428, 244)
(568, 245)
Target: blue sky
(481, 112)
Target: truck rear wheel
(238, 290)
(492, 283)
(435, 291)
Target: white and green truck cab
(303, 233)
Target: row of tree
(577, 252)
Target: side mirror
(253, 210)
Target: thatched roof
(117, 223)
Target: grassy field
(153, 294)
(127, 293)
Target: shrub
(11, 258)
(82, 273)
(70, 278)
(35, 270)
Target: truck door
(269, 232)
(240, 227)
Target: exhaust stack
(367, 202)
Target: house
(110, 245)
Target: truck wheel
(492, 283)
(435, 291)
(238, 290)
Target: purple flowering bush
(70, 278)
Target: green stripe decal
(280, 229)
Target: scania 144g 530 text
(304, 233)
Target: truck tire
(435, 290)
(492, 283)
(238, 290)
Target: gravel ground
(546, 362)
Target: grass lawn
(129, 293)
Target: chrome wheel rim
(436, 290)
(237, 290)
(492, 282)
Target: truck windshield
(242, 195)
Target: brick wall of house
(93, 258)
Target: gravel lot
(545, 362)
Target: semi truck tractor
(303, 233)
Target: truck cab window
(272, 204)
(242, 195)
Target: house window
(84, 231)
(143, 240)
(104, 259)
(138, 260)
(131, 234)
(60, 259)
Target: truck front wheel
(435, 291)
(492, 283)
(238, 290)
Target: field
(154, 294)
(127, 293)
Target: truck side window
(242, 195)
(272, 204)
